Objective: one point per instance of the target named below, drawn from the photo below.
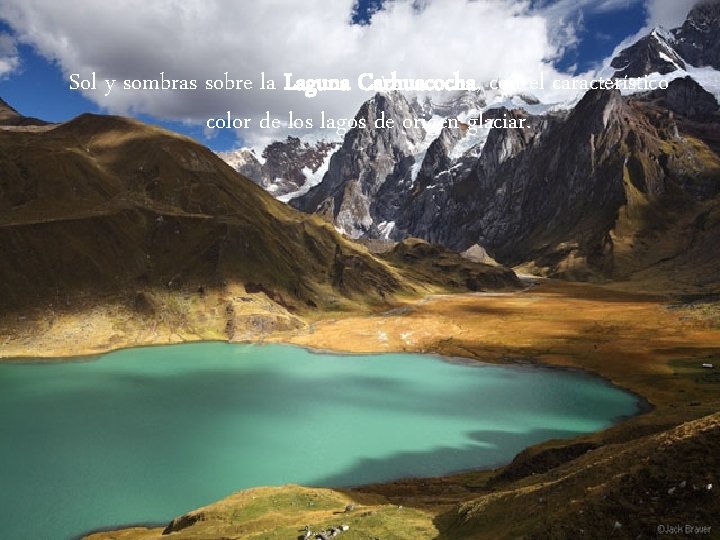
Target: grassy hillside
(115, 233)
(107, 204)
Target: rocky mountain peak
(402, 134)
(502, 144)
(438, 155)
(653, 53)
(695, 43)
(369, 173)
(598, 107)
(457, 105)
(245, 161)
(704, 16)
(698, 40)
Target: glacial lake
(143, 435)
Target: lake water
(143, 435)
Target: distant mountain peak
(653, 53)
(286, 168)
(705, 14)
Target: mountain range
(612, 187)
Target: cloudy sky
(43, 42)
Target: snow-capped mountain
(698, 39)
(579, 190)
(372, 170)
(695, 44)
(390, 162)
(654, 53)
(372, 175)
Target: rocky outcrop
(686, 97)
(435, 263)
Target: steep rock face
(287, 167)
(369, 178)
(686, 97)
(436, 172)
(570, 193)
(423, 213)
(503, 144)
(368, 174)
(698, 40)
(438, 155)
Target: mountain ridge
(609, 189)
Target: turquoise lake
(142, 435)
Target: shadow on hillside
(593, 292)
(489, 449)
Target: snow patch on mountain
(386, 228)
(312, 179)
(471, 145)
(706, 77)
(241, 157)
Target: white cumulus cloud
(202, 39)
(9, 60)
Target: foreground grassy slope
(283, 513)
(622, 490)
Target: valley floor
(641, 342)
